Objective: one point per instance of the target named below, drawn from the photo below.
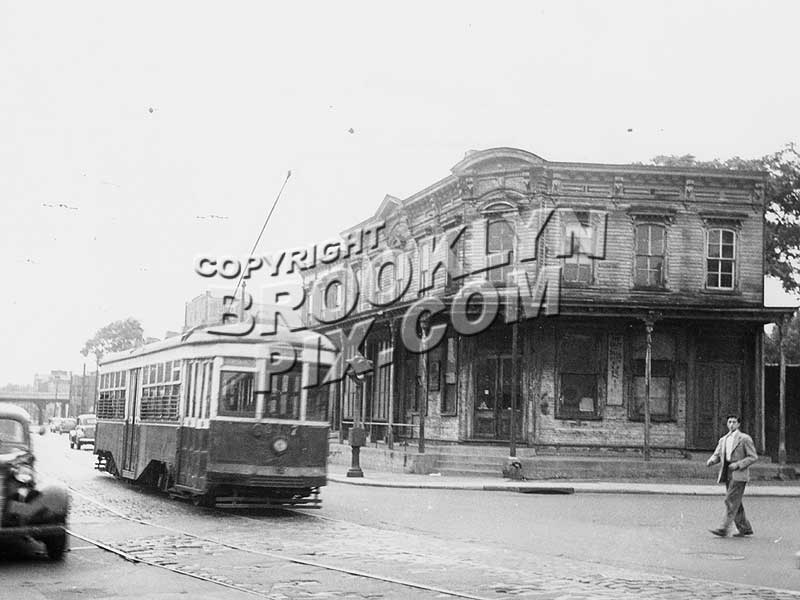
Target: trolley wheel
(55, 545)
(204, 500)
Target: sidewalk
(778, 489)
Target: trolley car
(209, 417)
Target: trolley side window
(207, 366)
(198, 399)
(236, 397)
(160, 393)
(111, 396)
(283, 401)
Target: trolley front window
(283, 401)
(236, 397)
(317, 397)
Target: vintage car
(55, 423)
(66, 425)
(83, 433)
(27, 507)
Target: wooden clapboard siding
(685, 195)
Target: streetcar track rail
(277, 556)
(770, 590)
(135, 559)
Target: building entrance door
(493, 399)
(718, 393)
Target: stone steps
(489, 461)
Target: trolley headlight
(24, 475)
(280, 445)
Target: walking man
(737, 452)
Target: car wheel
(55, 545)
(72, 445)
(78, 445)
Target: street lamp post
(358, 368)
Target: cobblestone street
(280, 554)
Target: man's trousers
(734, 511)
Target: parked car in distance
(27, 507)
(83, 432)
(55, 422)
(66, 425)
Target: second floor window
(578, 235)
(424, 264)
(650, 246)
(499, 248)
(720, 259)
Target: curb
(572, 487)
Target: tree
(114, 337)
(782, 195)
(791, 343)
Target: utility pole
(390, 417)
(649, 322)
(513, 418)
(83, 388)
(782, 394)
(424, 324)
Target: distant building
(207, 309)
(83, 391)
(55, 382)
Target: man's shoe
(743, 533)
(719, 532)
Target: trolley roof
(197, 341)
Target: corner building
(605, 253)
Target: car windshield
(12, 432)
(90, 420)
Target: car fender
(54, 499)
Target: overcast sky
(242, 92)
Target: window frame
(221, 411)
(449, 391)
(720, 259)
(662, 284)
(630, 365)
(425, 251)
(500, 275)
(286, 389)
(580, 258)
(598, 343)
(112, 396)
(160, 393)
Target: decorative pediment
(500, 201)
(728, 220)
(652, 213)
(388, 207)
(496, 160)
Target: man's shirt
(730, 444)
